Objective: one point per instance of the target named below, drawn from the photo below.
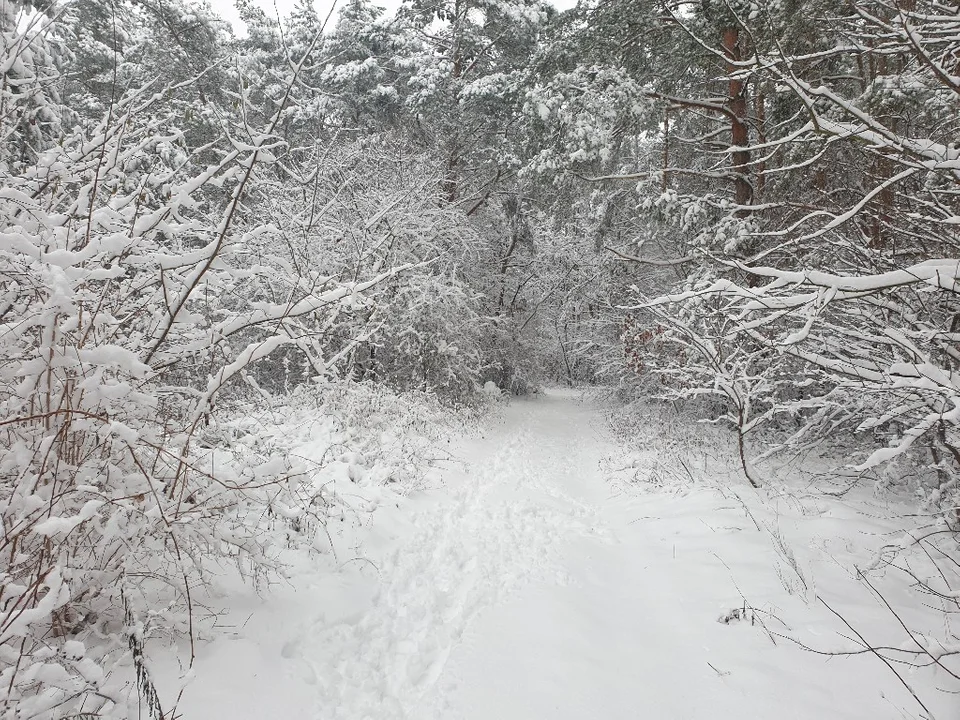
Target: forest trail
(531, 592)
(530, 585)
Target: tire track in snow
(468, 554)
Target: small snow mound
(490, 389)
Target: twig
(882, 659)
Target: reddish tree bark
(739, 136)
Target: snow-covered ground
(533, 582)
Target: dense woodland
(749, 209)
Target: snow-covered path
(500, 527)
(530, 592)
(528, 589)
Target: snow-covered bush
(30, 108)
(135, 289)
(461, 317)
(428, 338)
(403, 432)
(863, 353)
(357, 445)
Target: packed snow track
(526, 588)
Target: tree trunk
(666, 150)
(739, 137)
(451, 176)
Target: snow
(545, 576)
(62, 525)
(490, 389)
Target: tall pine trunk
(739, 136)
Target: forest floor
(538, 581)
